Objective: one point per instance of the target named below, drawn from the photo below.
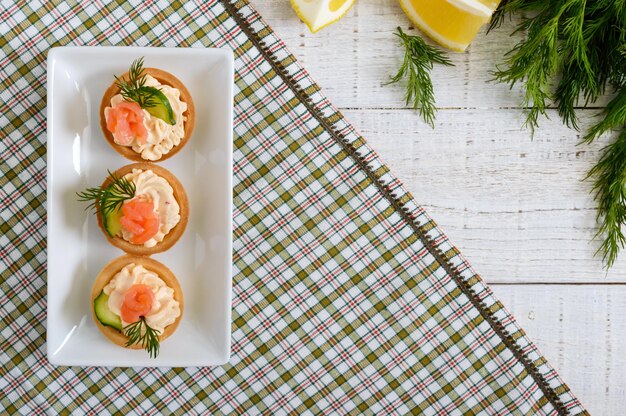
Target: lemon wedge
(317, 14)
(451, 23)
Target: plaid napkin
(347, 297)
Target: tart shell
(174, 234)
(110, 270)
(164, 78)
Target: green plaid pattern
(339, 305)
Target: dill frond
(132, 89)
(609, 176)
(142, 334)
(419, 59)
(109, 199)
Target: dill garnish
(142, 334)
(573, 50)
(419, 58)
(109, 199)
(133, 88)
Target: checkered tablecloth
(346, 296)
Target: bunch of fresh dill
(572, 53)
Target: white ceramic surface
(79, 156)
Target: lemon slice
(451, 23)
(317, 14)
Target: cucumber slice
(112, 223)
(162, 109)
(104, 314)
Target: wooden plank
(580, 330)
(353, 59)
(517, 208)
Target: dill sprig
(133, 88)
(535, 60)
(609, 176)
(614, 117)
(419, 58)
(142, 334)
(573, 50)
(109, 199)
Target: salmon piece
(139, 218)
(138, 302)
(125, 121)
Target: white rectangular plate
(79, 156)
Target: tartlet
(110, 271)
(166, 79)
(173, 235)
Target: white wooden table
(517, 208)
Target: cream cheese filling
(165, 309)
(155, 188)
(162, 136)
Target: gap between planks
(516, 207)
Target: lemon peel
(317, 14)
(451, 23)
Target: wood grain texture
(580, 330)
(517, 208)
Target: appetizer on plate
(137, 303)
(147, 114)
(141, 208)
